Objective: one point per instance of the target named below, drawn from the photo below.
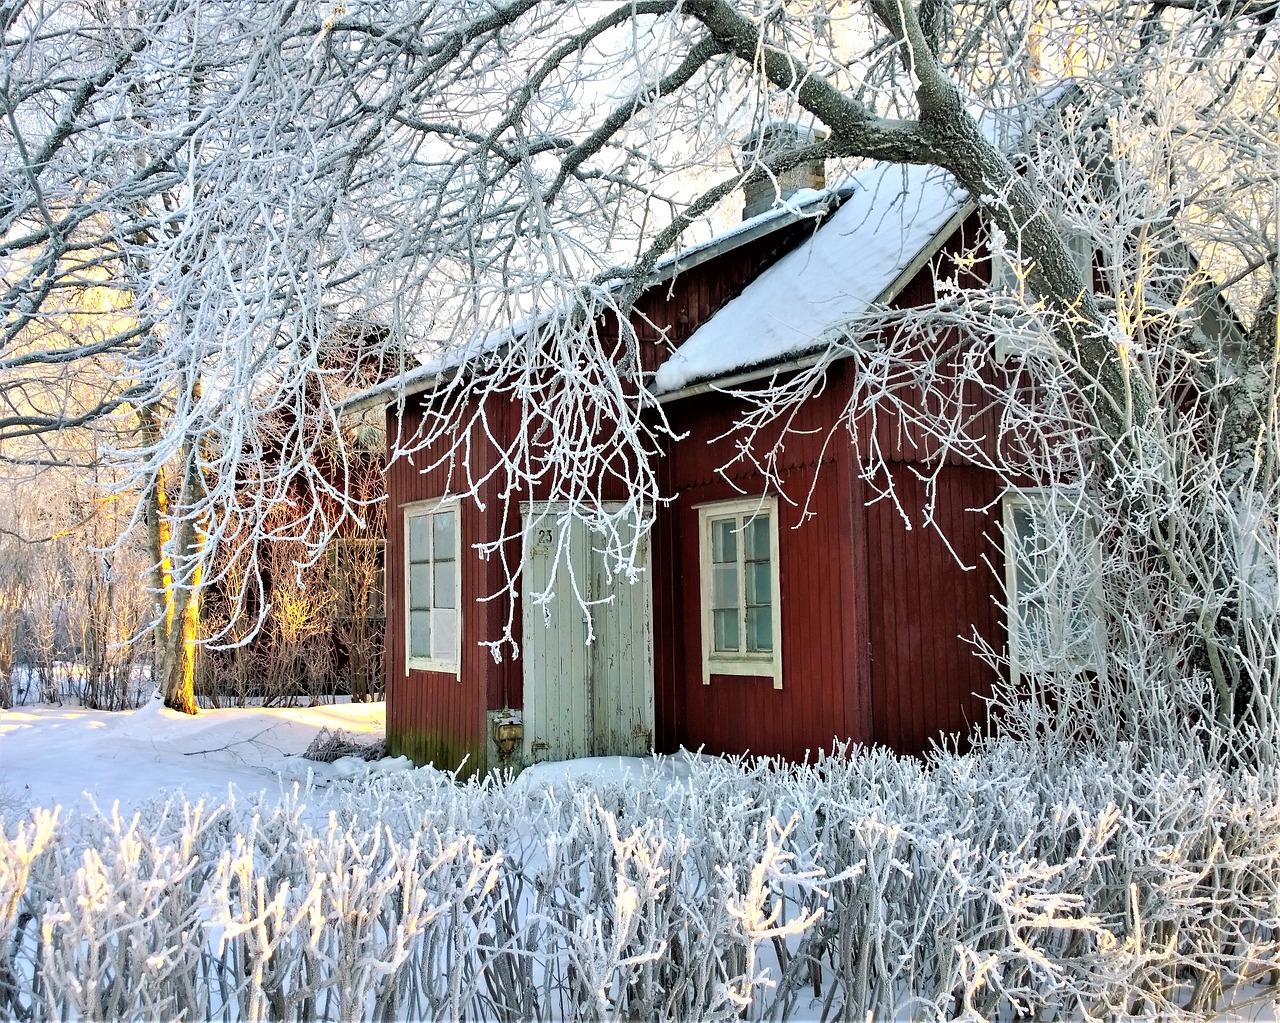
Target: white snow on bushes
(994, 886)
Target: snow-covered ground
(77, 758)
(68, 755)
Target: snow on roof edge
(812, 293)
(825, 283)
(807, 203)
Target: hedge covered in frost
(974, 887)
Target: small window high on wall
(738, 573)
(433, 623)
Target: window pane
(724, 541)
(757, 546)
(445, 640)
(444, 593)
(419, 633)
(760, 629)
(726, 629)
(419, 546)
(442, 527)
(1030, 548)
(758, 583)
(1031, 566)
(419, 586)
(724, 586)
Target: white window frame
(1030, 499)
(714, 662)
(447, 665)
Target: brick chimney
(760, 191)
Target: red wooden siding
(875, 617)
(824, 642)
(668, 313)
(925, 607)
(432, 716)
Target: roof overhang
(767, 370)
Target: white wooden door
(584, 699)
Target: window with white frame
(432, 622)
(738, 572)
(1051, 581)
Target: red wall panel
(823, 644)
(926, 605)
(875, 616)
(431, 716)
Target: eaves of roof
(425, 378)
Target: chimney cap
(780, 135)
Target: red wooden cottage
(750, 630)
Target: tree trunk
(176, 587)
(186, 586)
(179, 680)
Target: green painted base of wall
(430, 746)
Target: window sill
(758, 667)
(440, 667)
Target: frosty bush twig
(978, 886)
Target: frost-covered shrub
(991, 885)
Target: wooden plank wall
(927, 600)
(925, 606)
(431, 716)
(876, 617)
(822, 696)
(669, 313)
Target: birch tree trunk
(176, 578)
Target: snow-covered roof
(807, 203)
(867, 251)
(853, 261)
(894, 215)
